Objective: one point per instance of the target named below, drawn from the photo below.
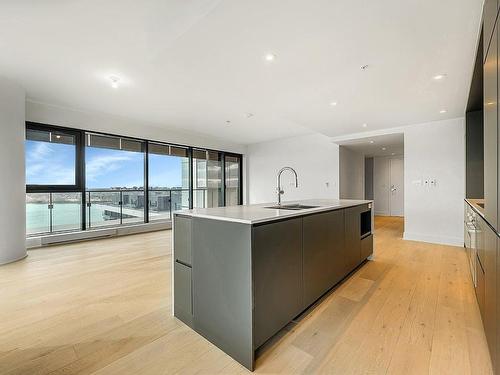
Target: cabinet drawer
(183, 294)
(182, 239)
(366, 247)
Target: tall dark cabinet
(482, 178)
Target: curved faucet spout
(279, 189)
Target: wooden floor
(104, 307)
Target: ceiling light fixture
(58, 136)
(383, 148)
(270, 57)
(439, 77)
(372, 142)
(443, 111)
(333, 104)
(364, 67)
(228, 122)
(114, 81)
(364, 125)
(393, 154)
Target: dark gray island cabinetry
(242, 273)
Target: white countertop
(259, 213)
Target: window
(51, 159)
(114, 175)
(232, 176)
(168, 180)
(207, 179)
(79, 180)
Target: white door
(396, 187)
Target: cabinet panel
(490, 281)
(480, 288)
(182, 239)
(183, 293)
(337, 243)
(366, 247)
(490, 10)
(318, 256)
(491, 133)
(352, 237)
(277, 269)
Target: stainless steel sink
(291, 207)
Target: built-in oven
(471, 235)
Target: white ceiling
(392, 143)
(196, 64)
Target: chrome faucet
(279, 190)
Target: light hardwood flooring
(104, 307)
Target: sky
(52, 163)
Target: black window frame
(80, 183)
(79, 160)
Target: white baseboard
(441, 240)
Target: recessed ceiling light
(248, 115)
(372, 142)
(383, 148)
(270, 57)
(490, 103)
(115, 80)
(333, 104)
(364, 125)
(364, 67)
(228, 122)
(393, 154)
(58, 136)
(443, 111)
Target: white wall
(352, 174)
(435, 150)
(12, 181)
(314, 157)
(55, 115)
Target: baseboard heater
(75, 237)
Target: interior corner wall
(352, 174)
(435, 150)
(314, 157)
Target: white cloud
(102, 165)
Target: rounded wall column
(12, 172)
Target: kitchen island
(242, 273)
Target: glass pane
(37, 213)
(66, 211)
(133, 206)
(232, 181)
(214, 180)
(168, 182)
(103, 208)
(159, 205)
(50, 158)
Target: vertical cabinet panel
(337, 243)
(182, 240)
(490, 10)
(491, 133)
(352, 237)
(277, 269)
(318, 256)
(323, 256)
(490, 292)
